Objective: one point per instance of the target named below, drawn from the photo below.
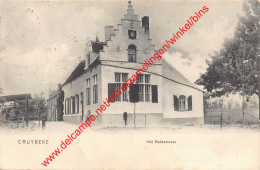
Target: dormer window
(132, 53)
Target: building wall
(52, 109)
(141, 120)
(79, 86)
(121, 38)
(171, 88)
(121, 107)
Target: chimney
(109, 30)
(145, 24)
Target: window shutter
(154, 94)
(190, 103)
(89, 95)
(93, 94)
(78, 103)
(96, 94)
(176, 103)
(133, 93)
(111, 88)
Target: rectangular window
(118, 85)
(140, 80)
(88, 94)
(144, 88)
(95, 90)
(124, 77)
(147, 79)
(117, 77)
(147, 93)
(69, 105)
(73, 104)
(88, 82)
(141, 93)
(81, 103)
(77, 103)
(120, 79)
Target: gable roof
(79, 70)
(169, 72)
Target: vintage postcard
(130, 84)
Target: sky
(42, 41)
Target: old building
(55, 104)
(166, 96)
(52, 106)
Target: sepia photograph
(154, 84)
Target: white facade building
(166, 96)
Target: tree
(236, 66)
(18, 108)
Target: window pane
(182, 103)
(140, 80)
(95, 94)
(141, 93)
(88, 82)
(124, 77)
(117, 77)
(95, 79)
(88, 96)
(73, 104)
(124, 98)
(147, 79)
(77, 103)
(147, 93)
(117, 88)
(131, 53)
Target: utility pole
(221, 118)
(134, 115)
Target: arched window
(182, 103)
(132, 53)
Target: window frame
(88, 92)
(182, 103)
(77, 103)
(73, 104)
(124, 97)
(132, 53)
(143, 85)
(95, 89)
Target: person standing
(125, 117)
